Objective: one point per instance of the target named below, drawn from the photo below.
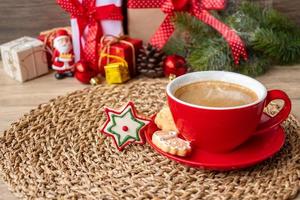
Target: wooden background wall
(29, 17)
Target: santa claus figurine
(63, 56)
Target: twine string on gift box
(48, 41)
(12, 67)
(8, 54)
(35, 67)
(16, 47)
(105, 44)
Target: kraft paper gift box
(24, 58)
(143, 18)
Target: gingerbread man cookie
(168, 141)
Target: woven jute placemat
(57, 152)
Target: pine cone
(150, 61)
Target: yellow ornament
(116, 72)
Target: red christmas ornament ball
(174, 65)
(83, 73)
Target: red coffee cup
(221, 129)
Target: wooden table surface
(17, 99)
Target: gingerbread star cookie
(125, 126)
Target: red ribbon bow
(199, 9)
(88, 15)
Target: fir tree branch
(256, 65)
(274, 20)
(269, 36)
(176, 45)
(279, 45)
(211, 55)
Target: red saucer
(255, 150)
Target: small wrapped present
(116, 72)
(124, 47)
(24, 58)
(89, 21)
(47, 38)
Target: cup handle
(280, 116)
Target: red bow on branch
(199, 9)
(88, 15)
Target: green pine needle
(272, 19)
(212, 55)
(279, 45)
(256, 65)
(176, 45)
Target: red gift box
(126, 48)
